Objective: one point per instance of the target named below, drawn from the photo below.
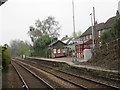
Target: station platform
(76, 63)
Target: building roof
(67, 41)
(2, 2)
(65, 38)
(101, 26)
(89, 30)
(55, 42)
(110, 21)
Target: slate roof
(65, 38)
(55, 42)
(68, 41)
(108, 24)
(89, 30)
(2, 2)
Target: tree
(41, 46)
(48, 27)
(19, 47)
(115, 32)
(105, 36)
(111, 34)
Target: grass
(55, 69)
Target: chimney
(66, 35)
(117, 13)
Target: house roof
(65, 38)
(67, 41)
(55, 42)
(106, 25)
(89, 30)
(110, 22)
(2, 2)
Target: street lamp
(92, 31)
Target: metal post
(73, 18)
(92, 30)
(94, 26)
(94, 16)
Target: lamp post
(92, 31)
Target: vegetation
(19, 48)
(41, 46)
(6, 59)
(48, 27)
(70, 51)
(44, 32)
(111, 34)
(107, 54)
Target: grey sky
(17, 15)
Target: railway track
(81, 80)
(30, 79)
(25, 86)
(80, 87)
(87, 80)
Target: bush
(6, 60)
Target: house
(56, 49)
(86, 37)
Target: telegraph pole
(94, 27)
(94, 15)
(92, 31)
(73, 18)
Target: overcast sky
(17, 15)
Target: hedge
(6, 59)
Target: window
(87, 37)
(90, 36)
(84, 37)
(54, 51)
(99, 33)
(58, 51)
